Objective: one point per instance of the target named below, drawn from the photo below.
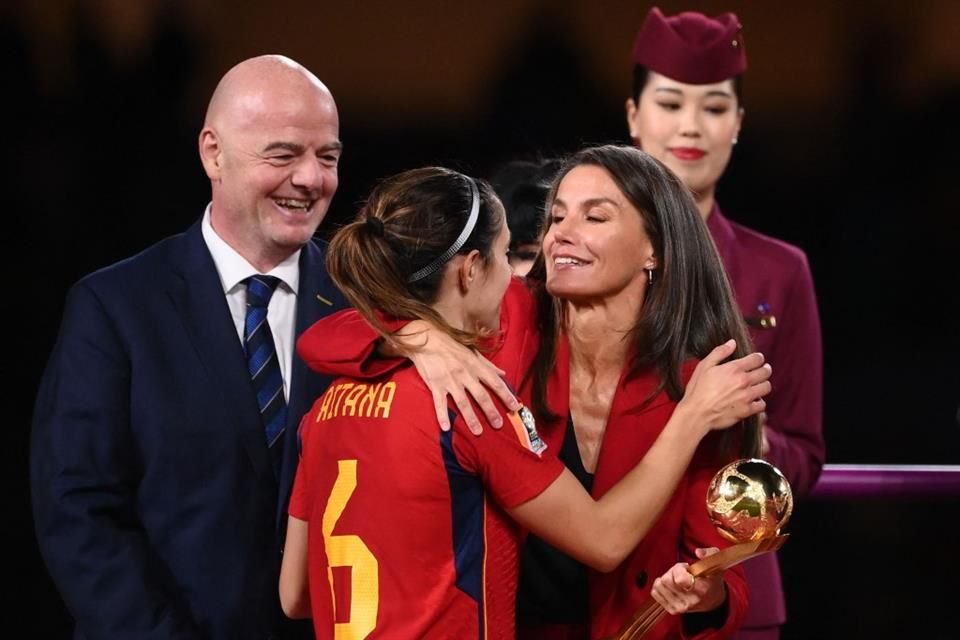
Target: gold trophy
(749, 501)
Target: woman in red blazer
(686, 110)
(627, 292)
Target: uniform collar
(720, 228)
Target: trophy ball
(749, 500)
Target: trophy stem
(650, 612)
(735, 554)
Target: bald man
(160, 478)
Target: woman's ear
(469, 270)
(630, 107)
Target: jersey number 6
(350, 551)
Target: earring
(734, 140)
(649, 276)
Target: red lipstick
(687, 153)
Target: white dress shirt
(233, 269)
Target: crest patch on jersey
(526, 429)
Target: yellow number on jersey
(350, 551)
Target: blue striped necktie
(262, 360)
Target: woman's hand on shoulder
(721, 393)
(448, 368)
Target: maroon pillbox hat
(691, 47)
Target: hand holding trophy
(749, 501)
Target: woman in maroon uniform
(404, 531)
(686, 110)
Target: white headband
(442, 259)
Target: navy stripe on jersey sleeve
(511, 472)
(467, 504)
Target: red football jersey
(407, 536)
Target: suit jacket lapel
(197, 295)
(558, 396)
(629, 434)
(317, 297)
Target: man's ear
(211, 153)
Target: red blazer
(772, 281)
(631, 429)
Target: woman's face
(689, 127)
(595, 246)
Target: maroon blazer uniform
(774, 289)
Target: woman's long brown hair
(689, 309)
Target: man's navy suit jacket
(156, 505)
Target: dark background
(849, 150)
